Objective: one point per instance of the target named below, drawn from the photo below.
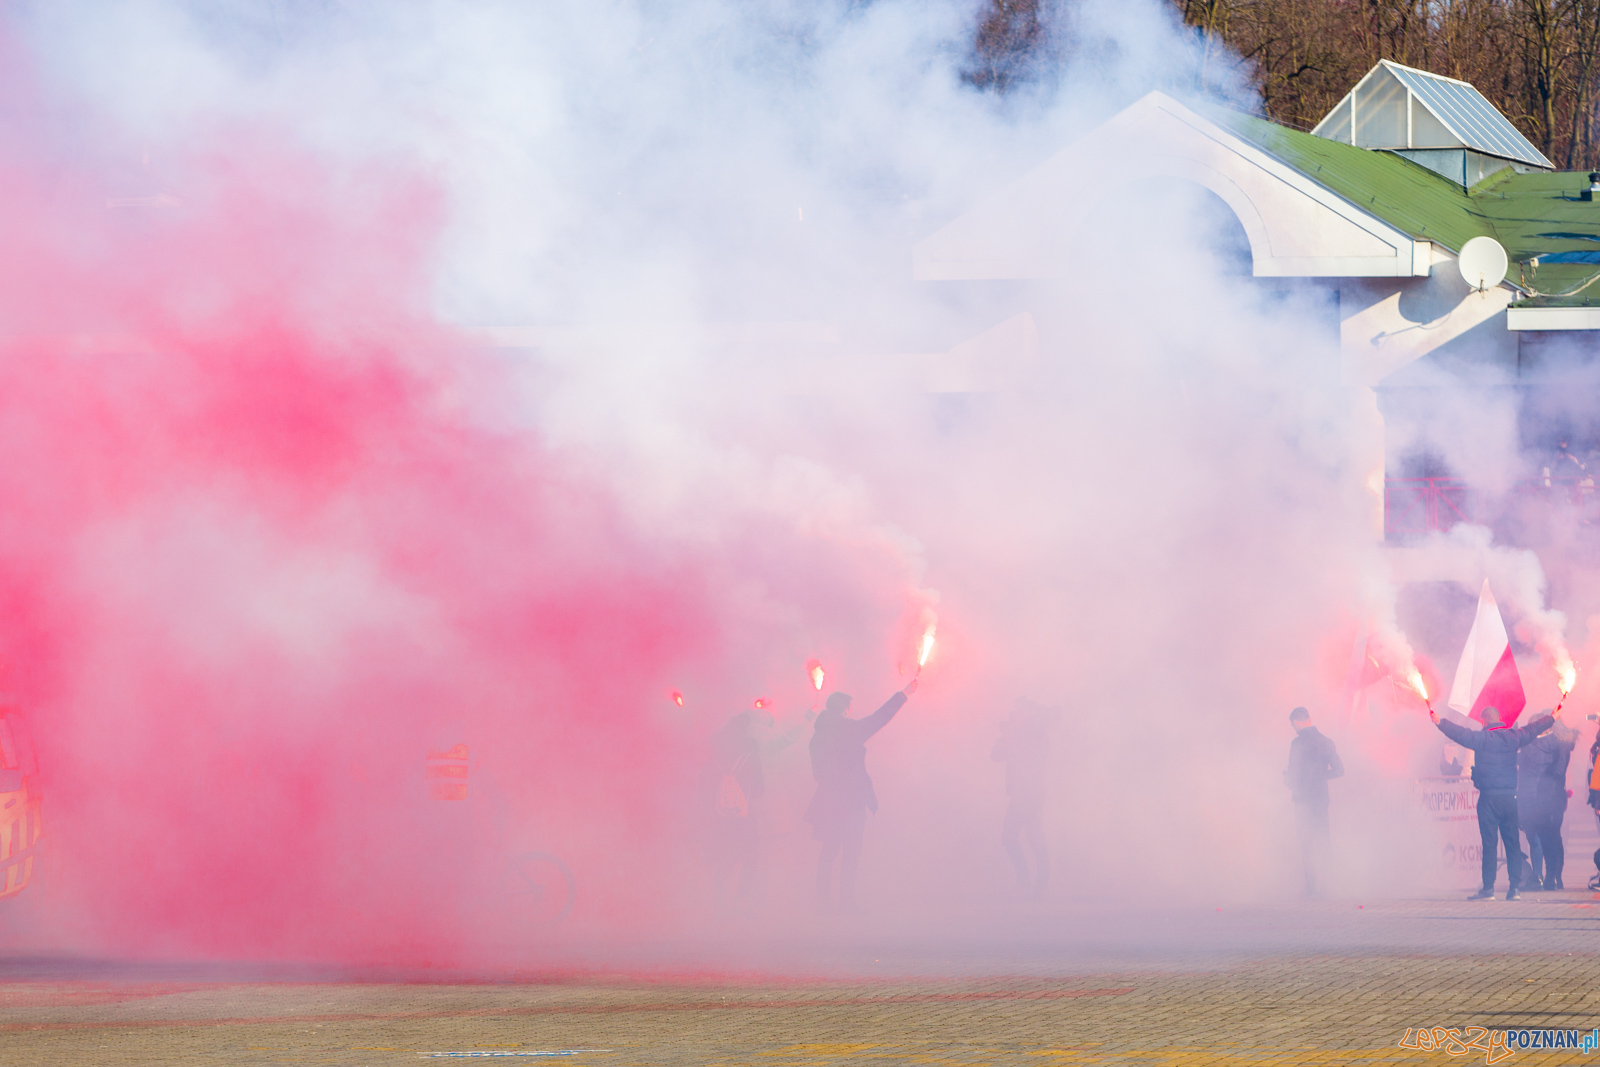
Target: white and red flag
(1487, 675)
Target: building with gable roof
(1374, 206)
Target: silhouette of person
(1313, 760)
(1023, 746)
(1533, 764)
(1542, 804)
(768, 738)
(1564, 464)
(1494, 772)
(1557, 797)
(844, 796)
(1594, 800)
(735, 781)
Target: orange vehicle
(19, 804)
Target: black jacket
(1024, 747)
(740, 756)
(839, 756)
(1542, 767)
(1312, 761)
(1495, 769)
(1566, 739)
(1533, 764)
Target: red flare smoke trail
(259, 556)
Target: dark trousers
(1497, 817)
(735, 843)
(1311, 824)
(1026, 822)
(1533, 872)
(1541, 821)
(1555, 851)
(843, 843)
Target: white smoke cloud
(690, 227)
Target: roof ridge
(1411, 217)
(1429, 74)
(1470, 118)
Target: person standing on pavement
(844, 796)
(1534, 810)
(734, 782)
(1494, 772)
(1313, 760)
(1542, 797)
(1556, 797)
(1024, 747)
(1594, 800)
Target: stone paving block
(1345, 996)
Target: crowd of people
(1569, 462)
(844, 796)
(1521, 776)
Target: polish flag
(1487, 676)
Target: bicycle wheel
(541, 888)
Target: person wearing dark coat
(1542, 804)
(1313, 759)
(844, 796)
(734, 781)
(1557, 796)
(1533, 808)
(1494, 772)
(1024, 747)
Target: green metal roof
(1529, 214)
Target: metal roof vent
(1594, 186)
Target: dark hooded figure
(1313, 760)
(734, 781)
(838, 811)
(1494, 772)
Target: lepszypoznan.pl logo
(1496, 1045)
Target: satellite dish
(1483, 262)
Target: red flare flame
(814, 668)
(925, 648)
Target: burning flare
(761, 702)
(1414, 676)
(677, 697)
(1566, 676)
(814, 668)
(925, 649)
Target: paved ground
(1332, 982)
